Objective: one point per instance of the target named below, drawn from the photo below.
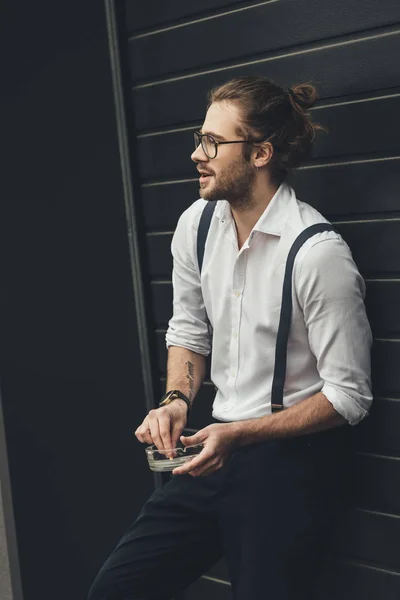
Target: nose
(199, 155)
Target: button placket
(237, 294)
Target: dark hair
(269, 111)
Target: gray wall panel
(377, 483)
(370, 64)
(226, 38)
(157, 13)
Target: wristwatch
(173, 395)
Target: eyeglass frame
(198, 140)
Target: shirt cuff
(345, 405)
(203, 349)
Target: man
(264, 490)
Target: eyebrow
(216, 135)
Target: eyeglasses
(210, 144)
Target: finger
(160, 428)
(191, 469)
(192, 440)
(143, 433)
(154, 429)
(203, 472)
(147, 439)
(176, 433)
(195, 463)
(207, 470)
(164, 426)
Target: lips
(203, 171)
(204, 177)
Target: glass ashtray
(160, 461)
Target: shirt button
(237, 294)
(233, 373)
(234, 335)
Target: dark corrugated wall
(70, 369)
(350, 50)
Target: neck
(247, 216)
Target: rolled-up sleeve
(188, 326)
(331, 292)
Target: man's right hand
(163, 426)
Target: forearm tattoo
(190, 377)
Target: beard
(234, 184)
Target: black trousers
(270, 511)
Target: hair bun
(270, 113)
(304, 94)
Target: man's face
(228, 176)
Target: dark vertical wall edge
(8, 513)
(120, 110)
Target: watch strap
(173, 395)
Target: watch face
(169, 398)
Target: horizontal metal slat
(377, 483)
(383, 301)
(208, 588)
(369, 536)
(259, 29)
(349, 581)
(156, 13)
(379, 432)
(371, 64)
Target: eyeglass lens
(207, 143)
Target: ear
(263, 154)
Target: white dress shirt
(241, 290)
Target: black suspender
(202, 231)
(286, 315)
(282, 337)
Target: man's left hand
(219, 441)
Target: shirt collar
(274, 217)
